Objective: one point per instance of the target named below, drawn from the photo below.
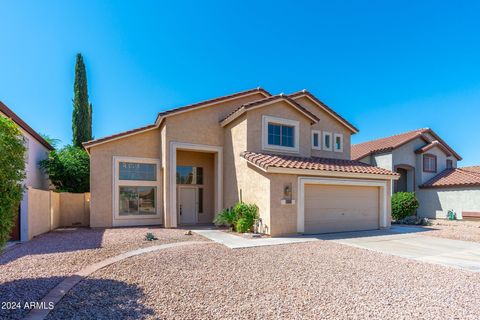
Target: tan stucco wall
(280, 109)
(75, 209)
(283, 217)
(435, 203)
(39, 220)
(205, 161)
(55, 209)
(329, 124)
(143, 145)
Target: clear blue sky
(386, 66)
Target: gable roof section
(265, 102)
(323, 106)
(265, 161)
(166, 113)
(12, 115)
(364, 149)
(458, 177)
(431, 145)
(206, 103)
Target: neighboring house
(37, 150)
(288, 154)
(427, 165)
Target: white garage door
(330, 208)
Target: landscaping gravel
(315, 280)
(455, 229)
(30, 270)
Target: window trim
(431, 156)
(117, 183)
(335, 136)
(325, 134)
(319, 147)
(281, 121)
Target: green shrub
(225, 218)
(68, 169)
(12, 173)
(241, 217)
(404, 204)
(150, 236)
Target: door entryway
(187, 204)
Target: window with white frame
(316, 139)
(280, 134)
(327, 141)
(338, 142)
(136, 187)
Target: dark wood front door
(15, 233)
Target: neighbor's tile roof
(252, 104)
(266, 160)
(457, 177)
(15, 118)
(364, 149)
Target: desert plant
(243, 225)
(225, 218)
(12, 173)
(404, 204)
(150, 236)
(246, 215)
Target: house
(37, 150)
(288, 154)
(427, 165)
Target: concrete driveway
(408, 242)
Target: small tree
(82, 109)
(68, 169)
(404, 204)
(12, 173)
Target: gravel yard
(316, 280)
(30, 270)
(457, 229)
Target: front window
(327, 141)
(189, 175)
(449, 163)
(137, 201)
(280, 135)
(338, 142)
(316, 136)
(429, 163)
(138, 171)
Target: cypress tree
(82, 109)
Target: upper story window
(280, 134)
(327, 141)
(137, 171)
(316, 138)
(189, 175)
(429, 163)
(338, 141)
(449, 163)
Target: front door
(187, 206)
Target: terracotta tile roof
(458, 177)
(12, 115)
(117, 135)
(266, 160)
(252, 104)
(327, 108)
(218, 99)
(475, 169)
(364, 149)
(431, 145)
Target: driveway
(412, 243)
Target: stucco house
(427, 165)
(288, 154)
(37, 150)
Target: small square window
(429, 163)
(338, 147)
(449, 163)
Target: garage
(331, 205)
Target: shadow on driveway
(90, 299)
(394, 230)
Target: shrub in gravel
(241, 217)
(225, 218)
(150, 237)
(404, 204)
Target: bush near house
(404, 204)
(241, 217)
(12, 173)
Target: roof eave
(271, 169)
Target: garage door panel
(340, 208)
